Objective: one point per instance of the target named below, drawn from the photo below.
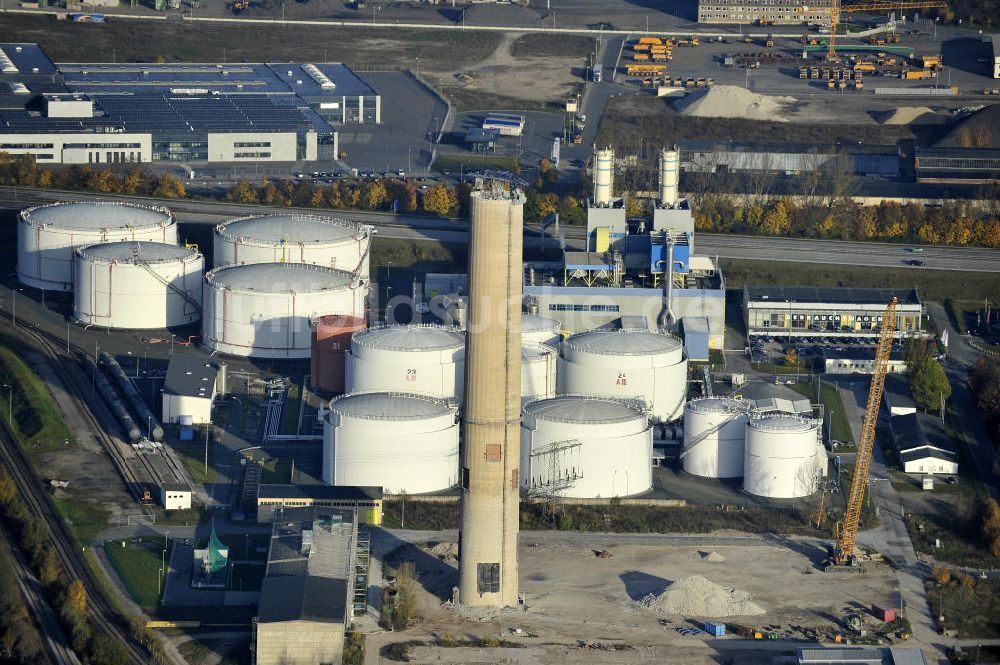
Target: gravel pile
(730, 101)
(697, 597)
(712, 556)
(904, 115)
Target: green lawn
(193, 457)
(138, 566)
(84, 518)
(421, 255)
(185, 517)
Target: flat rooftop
(317, 491)
(190, 376)
(829, 295)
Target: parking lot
(772, 348)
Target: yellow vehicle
(689, 83)
(640, 48)
(695, 41)
(877, 41)
(640, 57)
(700, 82)
(683, 42)
(650, 40)
(916, 74)
(645, 70)
(831, 84)
(659, 57)
(929, 61)
(859, 85)
(803, 73)
(864, 66)
(577, 138)
(769, 42)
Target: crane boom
(836, 9)
(843, 555)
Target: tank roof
(409, 338)
(97, 215)
(713, 405)
(292, 228)
(583, 409)
(533, 322)
(782, 424)
(390, 406)
(280, 277)
(130, 250)
(535, 351)
(623, 342)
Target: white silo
(538, 372)
(627, 363)
(397, 441)
(714, 433)
(670, 174)
(294, 238)
(421, 359)
(585, 447)
(138, 285)
(48, 236)
(264, 310)
(536, 329)
(604, 176)
(780, 458)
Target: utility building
(764, 11)
(189, 389)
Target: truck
(916, 74)
(597, 71)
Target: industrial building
(858, 361)
(793, 12)
(800, 311)
(730, 156)
(305, 598)
(105, 113)
(175, 496)
(957, 165)
(783, 456)
(365, 501)
(49, 235)
(190, 388)
(897, 397)
(859, 656)
(994, 41)
(331, 339)
(924, 444)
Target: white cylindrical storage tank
(780, 458)
(264, 310)
(421, 359)
(604, 160)
(538, 372)
(397, 441)
(48, 236)
(536, 329)
(714, 432)
(294, 238)
(138, 285)
(635, 364)
(669, 177)
(584, 447)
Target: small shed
(175, 496)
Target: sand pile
(443, 551)
(696, 596)
(712, 556)
(730, 101)
(904, 115)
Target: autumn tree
(775, 221)
(440, 200)
(991, 527)
(269, 194)
(374, 195)
(76, 598)
(169, 187)
(243, 192)
(792, 358)
(941, 574)
(929, 384)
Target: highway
(420, 227)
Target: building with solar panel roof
(104, 113)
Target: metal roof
(897, 392)
(28, 58)
(390, 406)
(280, 277)
(190, 376)
(409, 338)
(782, 424)
(912, 430)
(623, 342)
(830, 295)
(534, 322)
(296, 228)
(714, 405)
(536, 351)
(134, 251)
(584, 409)
(97, 215)
(344, 492)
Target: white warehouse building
(138, 285)
(400, 442)
(49, 235)
(586, 447)
(634, 364)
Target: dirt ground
(572, 595)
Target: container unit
(714, 433)
(627, 363)
(400, 442)
(715, 629)
(536, 329)
(294, 238)
(48, 236)
(264, 310)
(584, 447)
(780, 457)
(331, 338)
(421, 359)
(538, 372)
(138, 285)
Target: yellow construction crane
(843, 553)
(836, 9)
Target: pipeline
(132, 395)
(107, 391)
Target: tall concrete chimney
(604, 178)
(492, 417)
(670, 174)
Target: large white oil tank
(584, 447)
(264, 310)
(294, 238)
(422, 359)
(538, 371)
(627, 363)
(780, 458)
(536, 329)
(397, 441)
(48, 236)
(138, 285)
(714, 432)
